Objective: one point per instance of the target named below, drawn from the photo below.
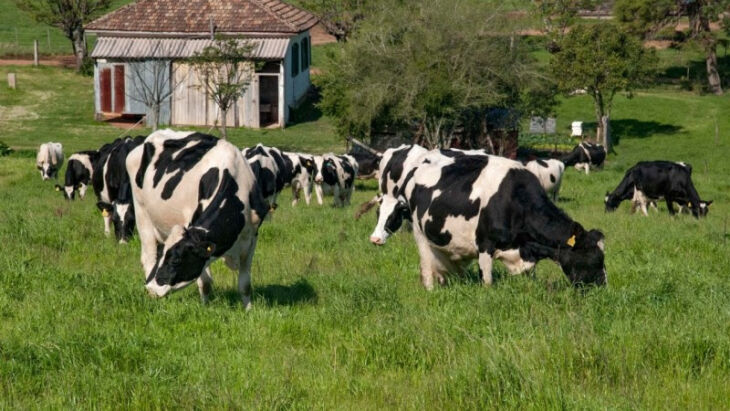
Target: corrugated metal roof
(145, 48)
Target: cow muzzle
(157, 291)
(377, 240)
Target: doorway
(268, 100)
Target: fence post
(11, 80)
(35, 53)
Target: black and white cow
(648, 181)
(302, 174)
(112, 187)
(550, 174)
(585, 155)
(335, 173)
(368, 163)
(196, 201)
(79, 174)
(49, 160)
(467, 207)
(266, 171)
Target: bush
(550, 142)
(5, 150)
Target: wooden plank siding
(190, 105)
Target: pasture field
(338, 323)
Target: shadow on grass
(632, 128)
(693, 74)
(299, 293)
(307, 112)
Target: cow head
(701, 209)
(69, 191)
(325, 170)
(391, 213)
(612, 202)
(582, 258)
(122, 215)
(47, 170)
(180, 261)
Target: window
(295, 60)
(305, 53)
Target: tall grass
(338, 323)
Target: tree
(557, 16)
(68, 15)
(339, 17)
(153, 82)
(604, 60)
(417, 68)
(225, 70)
(647, 17)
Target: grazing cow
(79, 174)
(49, 160)
(649, 181)
(112, 188)
(585, 155)
(266, 171)
(302, 174)
(550, 174)
(368, 163)
(483, 207)
(335, 173)
(196, 201)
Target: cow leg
(148, 239)
(670, 206)
(587, 167)
(428, 260)
(82, 191)
(338, 199)
(205, 284)
(244, 274)
(295, 191)
(107, 225)
(485, 268)
(318, 192)
(307, 193)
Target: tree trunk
(713, 76)
(224, 116)
(606, 128)
(600, 114)
(155, 116)
(79, 46)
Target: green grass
(338, 323)
(18, 30)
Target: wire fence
(18, 41)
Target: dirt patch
(56, 61)
(320, 36)
(658, 44)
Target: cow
(484, 207)
(196, 200)
(336, 173)
(49, 160)
(585, 155)
(302, 173)
(368, 163)
(112, 188)
(266, 172)
(79, 174)
(550, 174)
(649, 181)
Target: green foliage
(422, 65)
(604, 60)
(558, 15)
(341, 17)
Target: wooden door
(119, 89)
(105, 90)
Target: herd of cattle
(195, 198)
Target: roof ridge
(274, 14)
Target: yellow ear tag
(690, 205)
(58, 189)
(571, 241)
(104, 213)
(209, 249)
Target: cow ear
(104, 207)
(708, 203)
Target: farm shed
(145, 45)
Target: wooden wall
(189, 104)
